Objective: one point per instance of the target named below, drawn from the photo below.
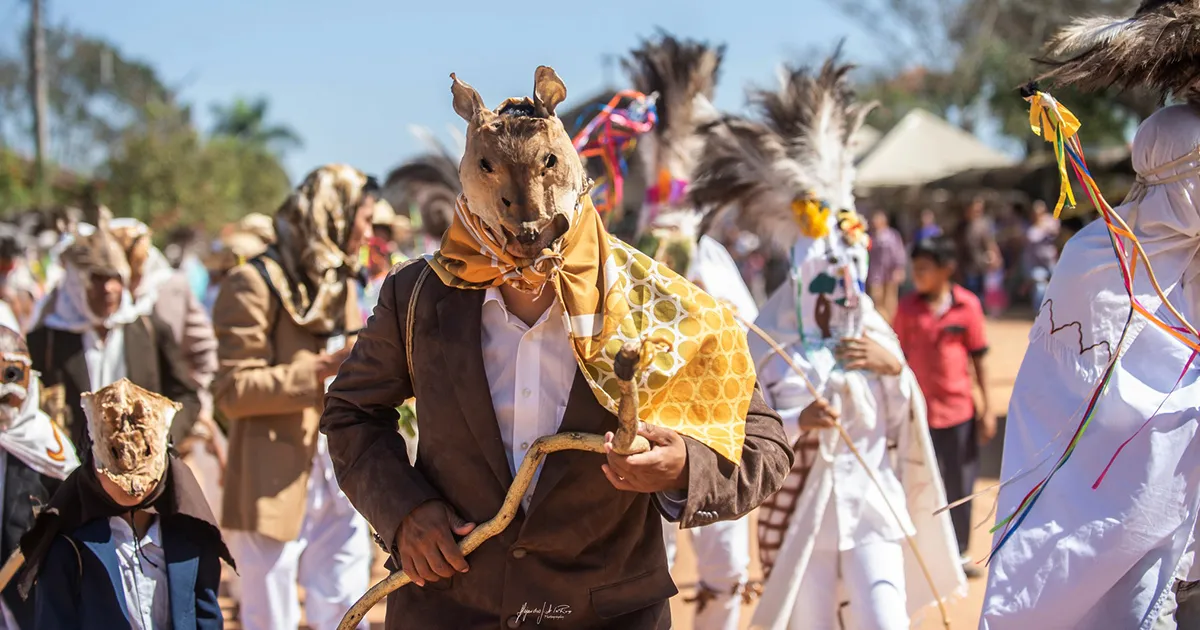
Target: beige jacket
(267, 388)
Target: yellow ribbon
(1056, 124)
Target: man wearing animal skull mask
(128, 540)
(285, 321)
(34, 459)
(91, 332)
(508, 333)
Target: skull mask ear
(548, 91)
(467, 102)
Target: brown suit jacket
(583, 545)
(267, 388)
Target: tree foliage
(116, 119)
(247, 121)
(969, 57)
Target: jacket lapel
(141, 358)
(582, 415)
(460, 337)
(183, 565)
(97, 537)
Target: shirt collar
(494, 297)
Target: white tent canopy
(922, 148)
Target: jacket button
(514, 622)
(518, 553)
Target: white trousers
(723, 565)
(872, 578)
(331, 560)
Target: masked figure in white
(833, 540)
(1106, 537)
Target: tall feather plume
(677, 70)
(800, 149)
(1157, 49)
(683, 73)
(430, 183)
(746, 165)
(817, 115)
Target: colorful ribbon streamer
(1058, 126)
(610, 136)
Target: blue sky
(353, 76)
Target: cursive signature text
(545, 611)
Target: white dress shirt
(105, 357)
(530, 371)
(143, 566)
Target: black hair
(939, 249)
(371, 187)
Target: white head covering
(68, 305)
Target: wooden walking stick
(10, 568)
(626, 441)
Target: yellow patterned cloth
(696, 378)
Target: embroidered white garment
(34, 439)
(870, 406)
(105, 358)
(530, 371)
(1105, 558)
(143, 566)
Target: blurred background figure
(977, 249)
(929, 227)
(887, 267)
(1041, 251)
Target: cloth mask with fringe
(696, 378)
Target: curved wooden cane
(626, 441)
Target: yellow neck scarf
(697, 376)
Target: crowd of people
(583, 397)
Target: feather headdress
(683, 73)
(429, 183)
(800, 151)
(1158, 49)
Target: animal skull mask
(15, 373)
(520, 173)
(129, 428)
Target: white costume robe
(1106, 557)
(910, 478)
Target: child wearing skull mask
(128, 540)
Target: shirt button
(518, 553)
(513, 622)
(526, 393)
(524, 446)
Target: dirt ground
(1008, 343)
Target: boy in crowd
(128, 540)
(942, 332)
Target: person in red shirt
(942, 332)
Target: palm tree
(246, 120)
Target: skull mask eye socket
(551, 160)
(13, 374)
(485, 166)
